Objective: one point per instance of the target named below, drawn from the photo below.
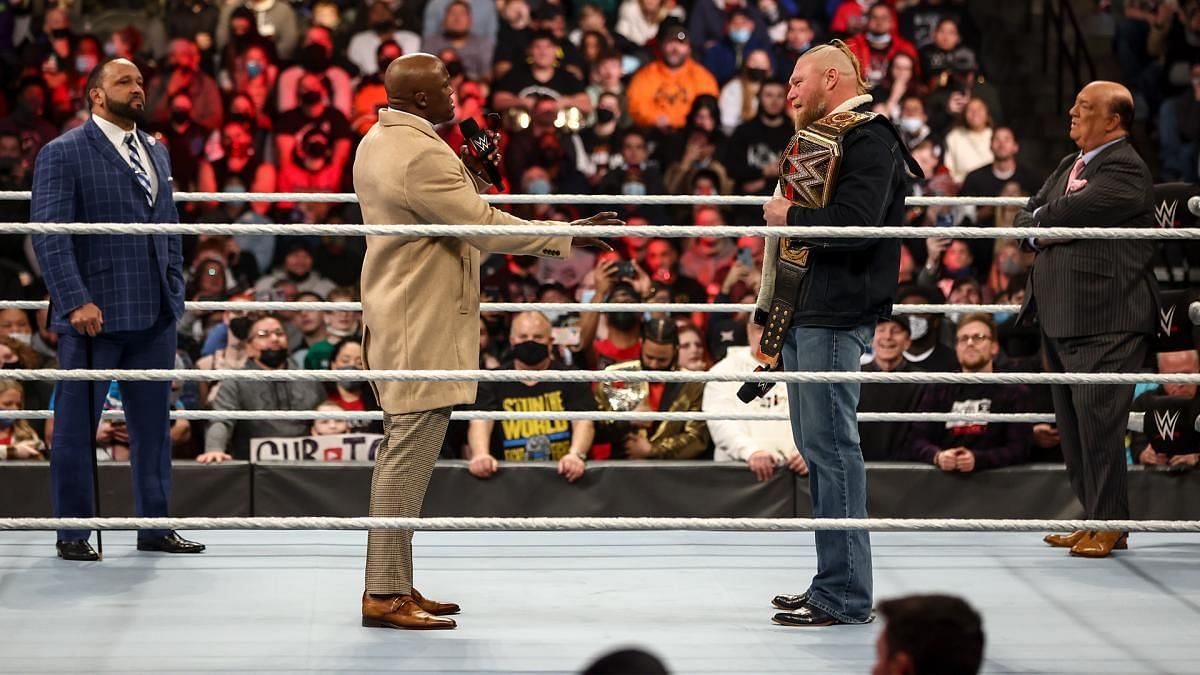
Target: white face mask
(911, 125)
(23, 338)
(919, 326)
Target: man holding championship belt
(820, 300)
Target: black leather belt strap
(788, 276)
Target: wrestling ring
(549, 594)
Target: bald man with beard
(820, 300)
(420, 299)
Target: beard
(125, 109)
(810, 112)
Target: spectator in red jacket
(879, 44)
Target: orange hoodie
(657, 90)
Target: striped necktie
(135, 160)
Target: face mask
(954, 317)
(314, 59)
(273, 358)
(1001, 317)
(553, 315)
(382, 66)
(12, 366)
(23, 338)
(354, 386)
(587, 295)
(240, 118)
(342, 332)
(629, 64)
(180, 116)
(539, 186)
(1010, 267)
(919, 327)
(530, 353)
(911, 125)
(84, 64)
(310, 97)
(254, 68)
(740, 36)
(110, 49)
(634, 189)
(382, 26)
(757, 74)
(6, 423)
(454, 68)
(882, 39)
(239, 327)
(60, 34)
(604, 116)
(623, 320)
(804, 47)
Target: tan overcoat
(421, 295)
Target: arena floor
(549, 602)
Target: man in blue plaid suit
(117, 295)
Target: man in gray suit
(1096, 300)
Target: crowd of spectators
(638, 97)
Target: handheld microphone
(752, 390)
(481, 146)
(1194, 205)
(1194, 313)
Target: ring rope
(823, 377)
(671, 231)
(618, 200)
(598, 307)
(592, 415)
(608, 524)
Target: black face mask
(756, 74)
(383, 26)
(352, 386)
(239, 327)
(382, 65)
(454, 68)
(623, 320)
(298, 277)
(60, 34)
(180, 116)
(310, 97)
(273, 358)
(240, 118)
(15, 365)
(604, 116)
(530, 353)
(314, 59)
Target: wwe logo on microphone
(481, 144)
(1165, 213)
(1165, 421)
(1165, 319)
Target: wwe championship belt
(807, 171)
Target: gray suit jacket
(1092, 286)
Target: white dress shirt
(116, 135)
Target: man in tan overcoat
(420, 299)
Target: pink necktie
(1073, 182)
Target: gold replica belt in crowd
(807, 171)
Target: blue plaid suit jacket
(80, 178)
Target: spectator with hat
(660, 95)
(313, 140)
(297, 268)
(888, 441)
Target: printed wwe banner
(331, 448)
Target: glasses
(278, 332)
(975, 338)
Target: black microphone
(752, 390)
(481, 146)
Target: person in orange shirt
(661, 93)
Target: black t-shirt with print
(530, 440)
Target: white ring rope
(618, 200)
(671, 231)
(608, 524)
(824, 377)
(592, 415)
(599, 307)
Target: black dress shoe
(790, 602)
(76, 549)
(171, 543)
(808, 617)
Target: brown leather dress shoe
(400, 611)
(1100, 544)
(1066, 540)
(433, 606)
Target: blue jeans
(825, 428)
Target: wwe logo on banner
(1165, 318)
(1165, 421)
(1165, 213)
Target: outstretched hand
(603, 218)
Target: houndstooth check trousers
(403, 466)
